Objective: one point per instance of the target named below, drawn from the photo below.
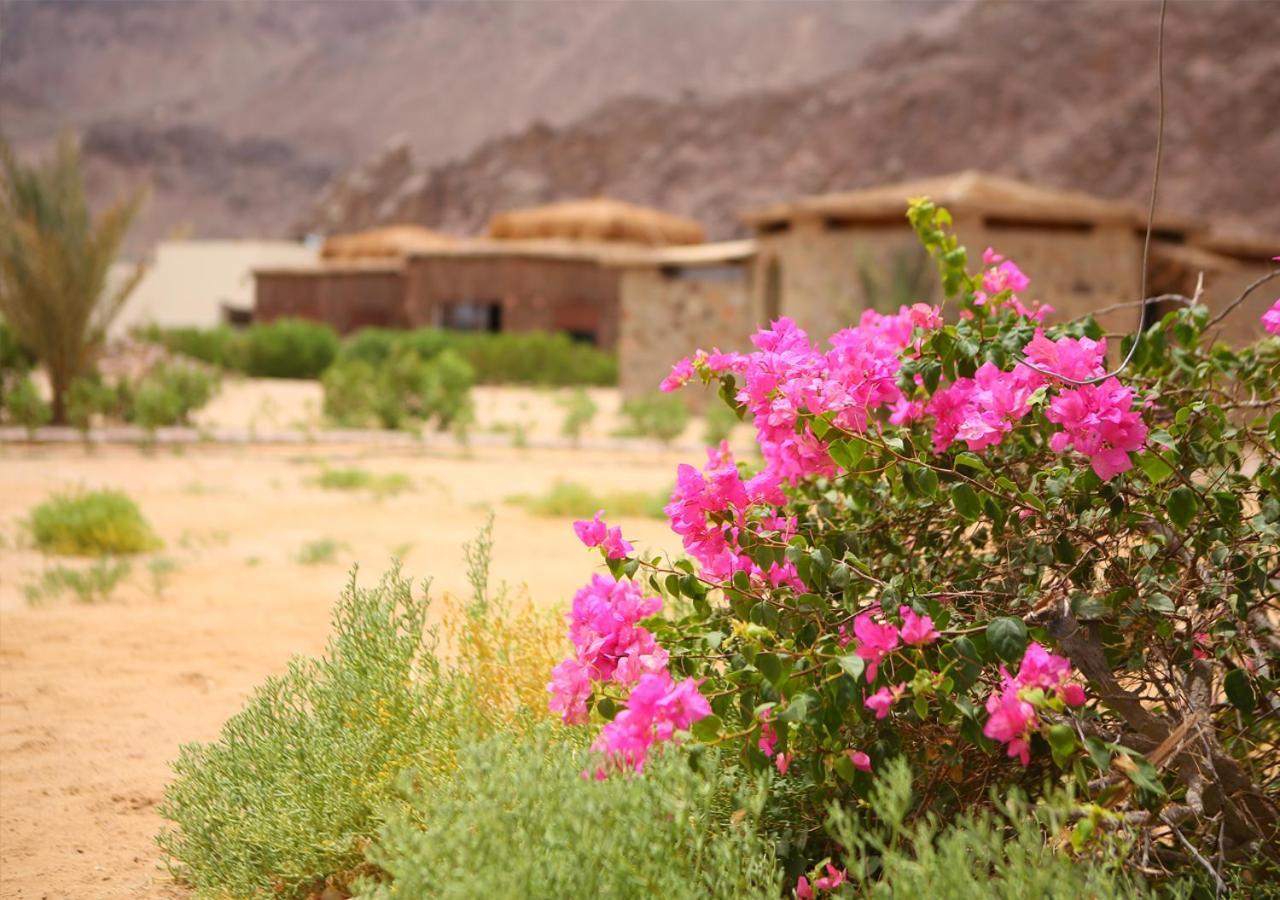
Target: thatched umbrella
(389, 241)
(596, 219)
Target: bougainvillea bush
(967, 546)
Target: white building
(200, 283)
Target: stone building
(1246, 260)
(676, 300)
(822, 260)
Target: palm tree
(54, 260)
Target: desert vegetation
(983, 618)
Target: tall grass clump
(91, 523)
(353, 479)
(573, 499)
(301, 780)
(404, 391)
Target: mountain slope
(1063, 93)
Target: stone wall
(668, 313)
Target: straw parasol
(389, 241)
(596, 219)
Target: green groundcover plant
(91, 523)
(970, 547)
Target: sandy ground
(96, 699)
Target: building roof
(1241, 246)
(692, 256)
(336, 267)
(388, 241)
(544, 248)
(968, 192)
(599, 219)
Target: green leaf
(707, 729)
(1239, 691)
(799, 708)
(853, 665)
(966, 501)
(1182, 505)
(844, 767)
(770, 667)
(1062, 741)
(1156, 468)
(972, 461)
(1007, 636)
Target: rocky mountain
(1064, 93)
(237, 112)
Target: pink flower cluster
(1099, 421)
(876, 640)
(1002, 278)
(595, 533)
(1012, 716)
(608, 644)
(711, 509)
(657, 708)
(828, 882)
(1271, 319)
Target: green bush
(387, 485)
(167, 395)
(14, 357)
(661, 416)
(572, 499)
(301, 779)
(289, 348)
(1005, 853)
(718, 423)
(320, 551)
(220, 346)
(402, 391)
(536, 358)
(91, 523)
(89, 397)
(24, 406)
(519, 820)
(90, 585)
(579, 410)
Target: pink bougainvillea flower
(1201, 641)
(783, 762)
(882, 700)
(916, 630)
(1099, 421)
(602, 625)
(656, 709)
(1076, 358)
(832, 880)
(570, 687)
(595, 533)
(875, 642)
(803, 891)
(681, 373)
(1271, 319)
(1011, 720)
(768, 737)
(860, 760)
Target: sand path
(95, 699)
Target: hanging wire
(1151, 215)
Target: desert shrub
(969, 546)
(1006, 852)
(220, 346)
(92, 584)
(573, 499)
(385, 485)
(718, 423)
(88, 397)
(579, 410)
(167, 395)
(91, 523)
(24, 406)
(403, 391)
(301, 779)
(14, 356)
(289, 348)
(667, 833)
(660, 416)
(320, 551)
